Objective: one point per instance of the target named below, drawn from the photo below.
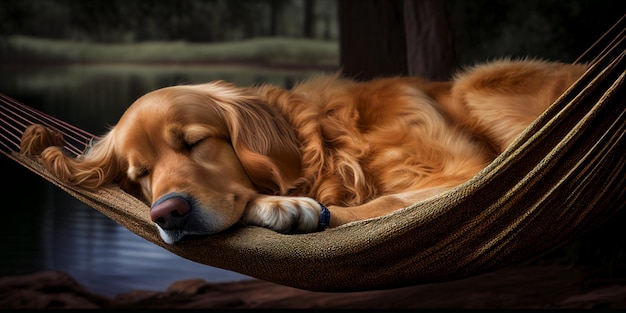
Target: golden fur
(265, 155)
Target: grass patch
(150, 77)
(270, 50)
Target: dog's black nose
(170, 212)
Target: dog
(327, 152)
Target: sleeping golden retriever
(327, 152)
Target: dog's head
(197, 154)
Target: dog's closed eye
(189, 145)
(186, 138)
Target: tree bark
(274, 8)
(308, 18)
(395, 37)
(430, 47)
(372, 41)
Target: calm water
(46, 229)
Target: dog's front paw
(284, 214)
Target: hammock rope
(19, 116)
(563, 177)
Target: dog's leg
(499, 100)
(380, 206)
(284, 214)
(302, 214)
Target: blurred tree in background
(444, 35)
(553, 29)
(373, 30)
(396, 37)
(158, 20)
(432, 38)
(535, 27)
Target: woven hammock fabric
(563, 177)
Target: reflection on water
(46, 229)
(107, 258)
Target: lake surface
(44, 228)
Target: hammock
(563, 177)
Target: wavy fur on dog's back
(361, 140)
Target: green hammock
(563, 177)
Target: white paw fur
(284, 214)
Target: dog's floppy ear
(264, 142)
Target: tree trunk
(395, 37)
(308, 19)
(274, 7)
(430, 49)
(372, 41)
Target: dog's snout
(171, 212)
